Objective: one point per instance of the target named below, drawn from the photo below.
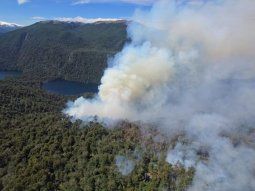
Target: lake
(65, 87)
(7, 74)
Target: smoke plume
(190, 69)
(125, 165)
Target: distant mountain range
(6, 27)
(62, 49)
(87, 20)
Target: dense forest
(53, 49)
(41, 149)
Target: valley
(124, 95)
(41, 149)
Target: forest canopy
(41, 149)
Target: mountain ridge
(72, 51)
(7, 27)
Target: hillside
(40, 149)
(54, 49)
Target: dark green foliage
(72, 51)
(40, 149)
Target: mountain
(6, 27)
(87, 20)
(56, 49)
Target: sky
(25, 12)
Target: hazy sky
(25, 12)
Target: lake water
(7, 74)
(64, 87)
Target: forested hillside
(40, 149)
(53, 49)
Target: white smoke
(190, 68)
(125, 165)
